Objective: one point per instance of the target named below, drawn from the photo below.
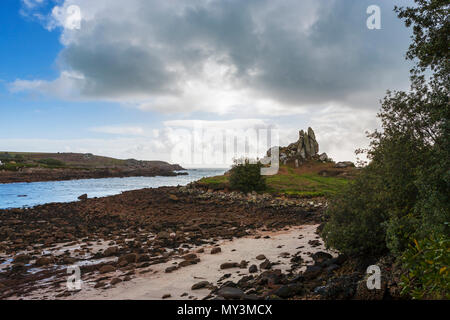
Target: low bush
(246, 177)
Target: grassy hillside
(310, 180)
(13, 161)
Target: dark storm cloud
(295, 53)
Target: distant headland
(34, 167)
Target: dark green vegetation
(427, 262)
(400, 204)
(305, 182)
(247, 177)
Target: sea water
(17, 195)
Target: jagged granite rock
(305, 148)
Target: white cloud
(32, 3)
(342, 130)
(67, 86)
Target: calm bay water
(17, 195)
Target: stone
(312, 272)
(344, 164)
(18, 267)
(340, 288)
(321, 256)
(110, 251)
(287, 291)
(200, 285)
(22, 258)
(231, 293)
(171, 269)
(130, 258)
(313, 142)
(216, 250)
(229, 265)
(68, 260)
(122, 263)
(115, 281)
(186, 263)
(163, 235)
(190, 256)
(261, 257)
(126, 278)
(167, 296)
(266, 265)
(43, 261)
(253, 268)
(83, 197)
(323, 157)
(107, 268)
(143, 258)
(305, 148)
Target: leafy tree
(409, 169)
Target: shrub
(246, 177)
(426, 265)
(356, 218)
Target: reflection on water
(16, 195)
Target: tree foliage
(403, 193)
(427, 262)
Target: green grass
(215, 182)
(307, 185)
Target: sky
(133, 79)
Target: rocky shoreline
(141, 236)
(41, 175)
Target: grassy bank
(307, 181)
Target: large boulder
(344, 164)
(305, 148)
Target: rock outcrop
(304, 149)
